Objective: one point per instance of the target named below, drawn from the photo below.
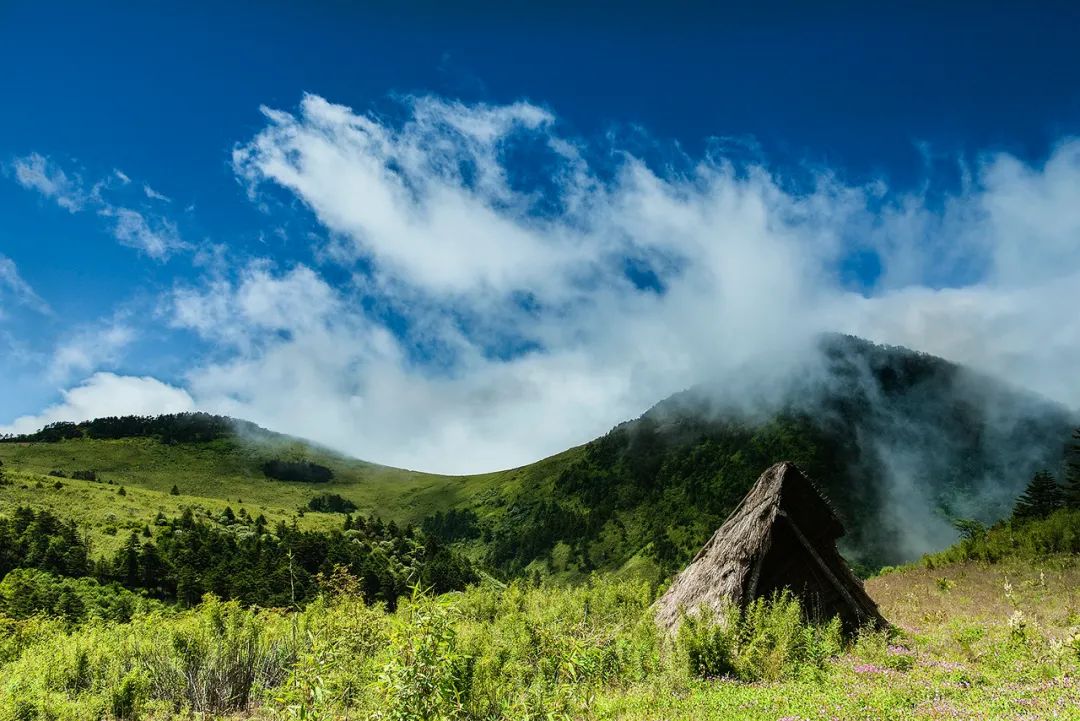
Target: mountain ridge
(902, 441)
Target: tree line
(169, 428)
(233, 557)
(1045, 496)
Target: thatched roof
(782, 535)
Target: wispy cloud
(35, 172)
(87, 349)
(13, 285)
(496, 313)
(154, 195)
(157, 238)
(149, 233)
(432, 215)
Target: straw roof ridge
(728, 567)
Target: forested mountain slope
(902, 443)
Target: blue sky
(461, 239)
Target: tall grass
(768, 640)
(519, 652)
(543, 652)
(213, 660)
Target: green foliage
(215, 661)
(1042, 497)
(768, 640)
(522, 652)
(1072, 472)
(452, 525)
(25, 593)
(970, 530)
(1035, 538)
(243, 560)
(169, 428)
(427, 675)
(331, 503)
(39, 539)
(300, 471)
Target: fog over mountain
(915, 442)
(490, 315)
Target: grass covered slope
(224, 472)
(901, 442)
(996, 642)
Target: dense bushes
(38, 539)
(279, 567)
(516, 652)
(1058, 533)
(489, 653)
(215, 660)
(452, 525)
(169, 428)
(236, 558)
(27, 592)
(769, 640)
(331, 503)
(302, 471)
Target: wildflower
(868, 668)
(1018, 625)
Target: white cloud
(13, 285)
(35, 172)
(429, 201)
(107, 394)
(444, 237)
(153, 235)
(749, 268)
(154, 195)
(158, 238)
(89, 349)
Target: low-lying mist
(920, 441)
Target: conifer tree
(1072, 473)
(1042, 497)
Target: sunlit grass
(977, 649)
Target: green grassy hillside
(226, 472)
(111, 531)
(900, 441)
(972, 641)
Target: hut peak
(782, 535)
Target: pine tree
(126, 561)
(1042, 497)
(174, 491)
(1072, 473)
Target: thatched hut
(782, 535)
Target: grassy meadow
(972, 641)
(988, 629)
(211, 476)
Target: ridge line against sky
(458, 281)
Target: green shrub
(768, 640)
(215, 660)
(427, 675)
(28, 592)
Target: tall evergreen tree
(1042, 497)
(1072, 473)
(126, 561)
